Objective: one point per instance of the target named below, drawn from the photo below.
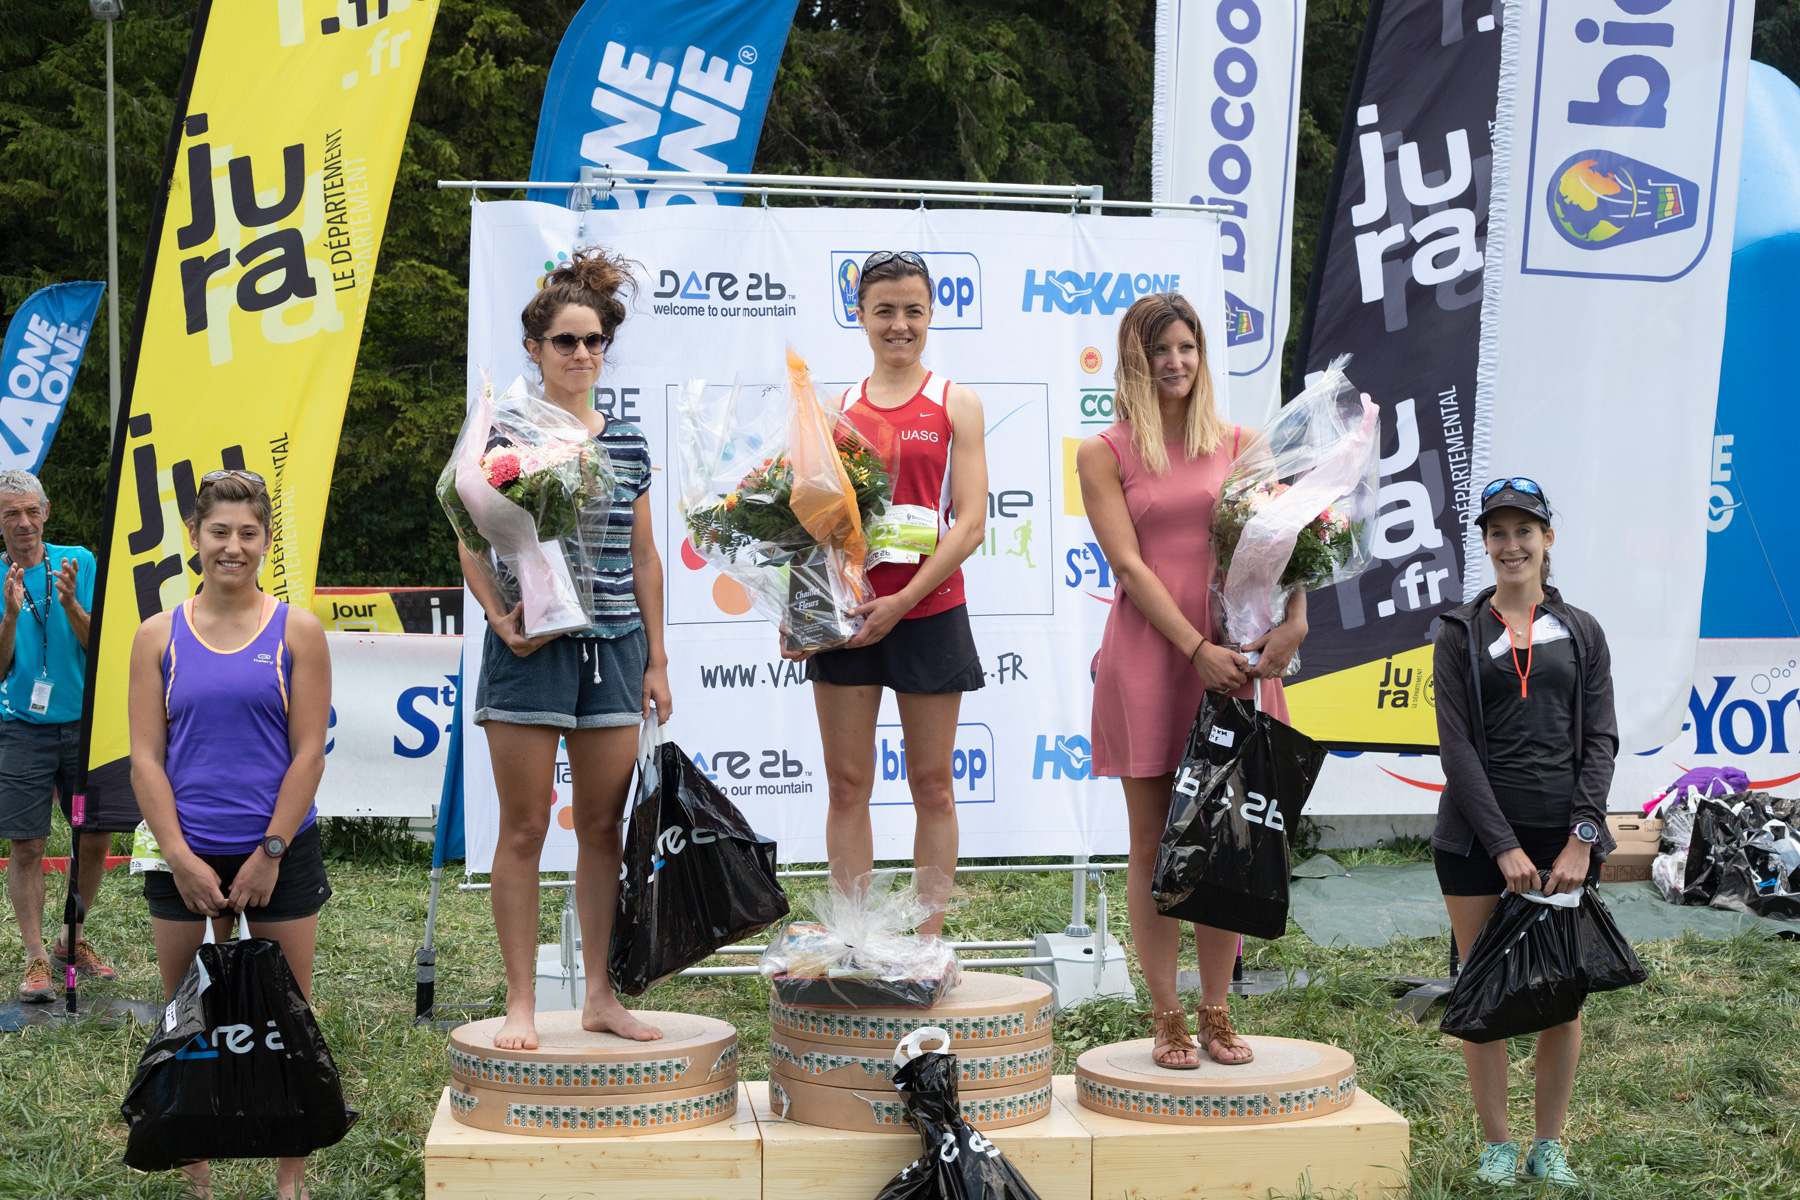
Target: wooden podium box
(712, 1162)
(807, 1162)
(1362, 1148)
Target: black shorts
(1478, 874)
(301, 888)
(923, 656)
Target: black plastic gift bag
(956, 1162)
(236, 1068)
(1243, 781)
(696, 876)
(1733, 860)
(1535, 962)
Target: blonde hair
(1134, 392)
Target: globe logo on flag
(1598, 199)
(848, 276)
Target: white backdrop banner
(1027, 313)
(1616, 155)
(1225, 126)
(392, 699)
(1741, 710)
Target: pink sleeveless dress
(1145, 693)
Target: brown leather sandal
(1216, 1029)
(1170, 1031)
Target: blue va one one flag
(666, 85)
(43, 351)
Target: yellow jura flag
(263, 252)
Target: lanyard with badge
(40, 688)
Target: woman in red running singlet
(915, 638)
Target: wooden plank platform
(1362, 1148)
(714, 1162)
(805, 1162)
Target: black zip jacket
(1468, 812)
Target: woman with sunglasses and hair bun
(588, 690)
(1527, 738)
(1149, 484)
(915, 639)
(229, 699)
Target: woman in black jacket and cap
(1527, 737)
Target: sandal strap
(1215, 1022)
(1170, 1028)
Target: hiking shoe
(37, 988)
(88, 963)
(1499, 1164)
(1548, 1163)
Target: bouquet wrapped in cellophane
(529, 494)
(1298, 509)
(778, 493)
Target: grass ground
(1689, 1086)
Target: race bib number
(904, 533)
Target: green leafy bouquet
(1321, 549)
(759, 511)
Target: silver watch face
(274, 847)
(1587, 831)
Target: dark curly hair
(592, 278)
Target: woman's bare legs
(524, 758)
(929, 725)
(847, 718)
(299, 941)
(600, 767)
(1156, 938)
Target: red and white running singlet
(913, 440)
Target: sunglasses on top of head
(216, 476)
(1517, 484)
(565, 343)
(885, 256)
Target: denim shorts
(35, 761)
(568, 682)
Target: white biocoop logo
(1625, 128)
(1227, 94)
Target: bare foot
(199, 1180)
(607, 1015)
(519, 1030)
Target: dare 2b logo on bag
(1624, 134)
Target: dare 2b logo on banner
(1627, 130)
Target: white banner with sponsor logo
(1027, 312)
(1225, 124)
(1620, 127)
(1741, 710)
(392, 699)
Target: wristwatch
(274, 845)
(1585, 831)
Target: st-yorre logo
(1599, 199)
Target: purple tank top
(228, 732)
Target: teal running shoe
(1548, 1163)
(1499, 1164)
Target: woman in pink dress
(1149, 484)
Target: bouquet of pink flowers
(1298, 509)
(529, 494)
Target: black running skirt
(924, 656)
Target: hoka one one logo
(1598, 199)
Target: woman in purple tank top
(230, 699)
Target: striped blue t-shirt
(618, 612)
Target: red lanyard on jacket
(1530, 645)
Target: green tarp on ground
(1371, 906)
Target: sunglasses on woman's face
(565, 343)
(1517, 484)
(215, 476)
(883, 256)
